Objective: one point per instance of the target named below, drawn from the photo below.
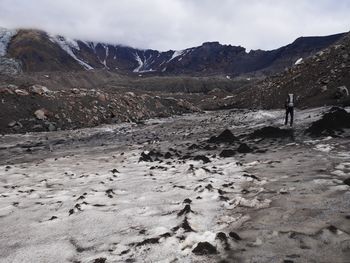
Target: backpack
(290, 100)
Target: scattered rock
(204, 248)
(341, 92)
(41, 114)
(39, 90)
(15, 125)
(51, 127)
(21, 92)
(151, 156)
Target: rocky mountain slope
(39, 51)
(323, 79)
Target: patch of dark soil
(148, 241)
(225, 137)
(333, 121)
(186, 226)
(272, 132)
(204, 248)
(227, 153)
(186, 210)
(100, 260)
(210, 147)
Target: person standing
(289, 109)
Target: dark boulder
(272, 132)
(234, 236)
(204, 248)
(347, 181)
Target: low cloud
(178, 24)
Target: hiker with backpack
(289, 105)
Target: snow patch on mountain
(144, 63)
(69, 45)
(176, 54)
(299, 61)
(5, 37)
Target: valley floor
(159, 192)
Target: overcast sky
(179, 24)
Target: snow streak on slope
(5, 37)
(139, 60)
(143, 64)
(69, 45)
(176, 54)
(299, 61)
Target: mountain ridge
(38, 50)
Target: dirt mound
(244, 148)
(332, 122)
(225, 137)
(272, 132)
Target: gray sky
(178, 24)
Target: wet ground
(160, 192)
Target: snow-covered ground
(86, 196)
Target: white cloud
(178, 24)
